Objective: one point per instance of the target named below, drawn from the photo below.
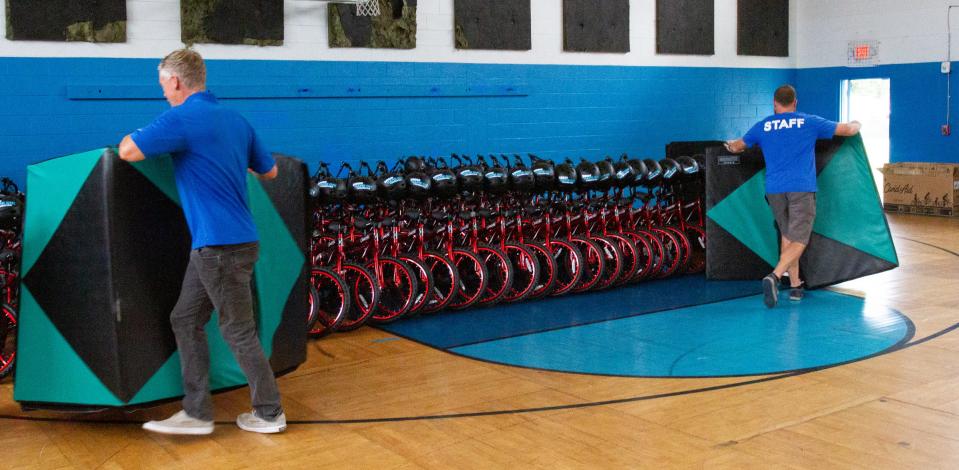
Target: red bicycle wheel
(612, 259)
(424, 278)
(547, 270)
(672, 253)
(651, 252)
(329, 302)
(631, 257)
(8, 339)
(397, 290)
(569, 266)
(446, 279)
(594, 264)
(526, 272)
(473, 278)
(499, 271)
(364, 296)
(697, 252)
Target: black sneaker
(796, 293)
(770, 290)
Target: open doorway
(867, 101)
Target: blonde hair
(187, 65)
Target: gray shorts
(794, 213)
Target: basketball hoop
(368, 8)
(362, 7)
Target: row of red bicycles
(11, 210)
(433, 234)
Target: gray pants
(795, 214)
(219, 277)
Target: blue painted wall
(572, 111)
(918, 106)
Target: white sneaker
(253, 423)
(180, 423)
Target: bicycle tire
(526, 272)
(647, 254)
(397, 291)
(697, 254)
(612, 259)
(594, 263)
(631, 260)
(547, 270)
(671, 253)
(8, 339)
(424, 277)
(499, 271)
(446, 279)
(685, 248)
(569, 266)
(473, 277)
(329, 302)
(364, 296)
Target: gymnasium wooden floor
(365, 400)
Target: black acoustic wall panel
(596, 26)
(685, 27)
(257, 22)
(393, 28)
(763, 28)
(67, 20)
(492, 24)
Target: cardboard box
(921, 188)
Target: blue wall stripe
(575, 111)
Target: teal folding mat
(850, 237)
(105, 249)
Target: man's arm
(848, 129)
(736, 146)
(268, 175)
(129, 150)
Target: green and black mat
(105, 247)
(850, 239)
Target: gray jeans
(219, 277)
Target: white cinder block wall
(153, 29)
(909, 31)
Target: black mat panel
(763, 28)
(836, 262)
(726, 256)
(493, 24)
(685, 27)
(67, 20)
(149, 255)
(289, 197)
(591, 26)
(691, 148)
(75, 253)
(257, 22)
(394, 28)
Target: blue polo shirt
(788, 141)
(212, 146)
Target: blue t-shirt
(788, 141)
(212, 147)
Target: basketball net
(368, 8)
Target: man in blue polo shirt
(213, 148)
(788, 141)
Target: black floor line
(571, 406)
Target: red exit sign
(862, 52)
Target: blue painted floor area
(453, 329)
(685, 327)
(735, 337)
